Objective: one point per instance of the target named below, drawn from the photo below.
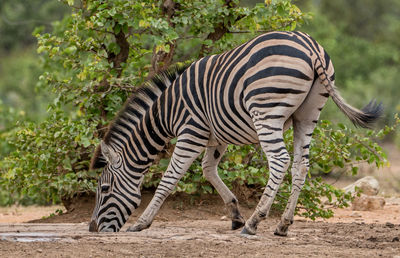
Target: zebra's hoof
(246, 231)
(281, 231)
(236, 224)
(134, 229)
(137, 228)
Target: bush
(49, 161)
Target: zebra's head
(118, 193)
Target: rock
(368, 186)
(389, 225)
(355, 214)
(367, 203)
(224, 218)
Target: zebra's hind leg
(271, 140)
(211, 159)
(304, 122)
(302, 137)
(187, 149)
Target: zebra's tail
(364, 117)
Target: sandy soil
(197, 228)
(18, 214)
(201, 238)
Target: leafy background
(66, 68)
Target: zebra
(248, 95)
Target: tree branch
(117, 61)
(219, 30)
(248, 31)
(161, 60)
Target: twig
(371, 150)
(17, 23)
(249, 31)
(103, 31)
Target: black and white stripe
(250, 94)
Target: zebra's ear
(108, 152)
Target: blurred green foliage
(19, 63)
(100, 51)
(19, 18)
(362, 38)
(19, 73)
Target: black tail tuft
(370, 113)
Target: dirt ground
(197, 227)
(202, 238)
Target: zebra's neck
(145, 124)
(140, 142)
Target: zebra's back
(270, 75)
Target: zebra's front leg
(211, 159)
(183, 156)
(271, 140)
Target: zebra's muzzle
(93, 226)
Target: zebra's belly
(238, 131)
(218, 135)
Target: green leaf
(70, 50)
(117, 28)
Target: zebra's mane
(141, 101)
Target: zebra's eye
(105, 188)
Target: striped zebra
(248, 95)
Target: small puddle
(29, 237)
